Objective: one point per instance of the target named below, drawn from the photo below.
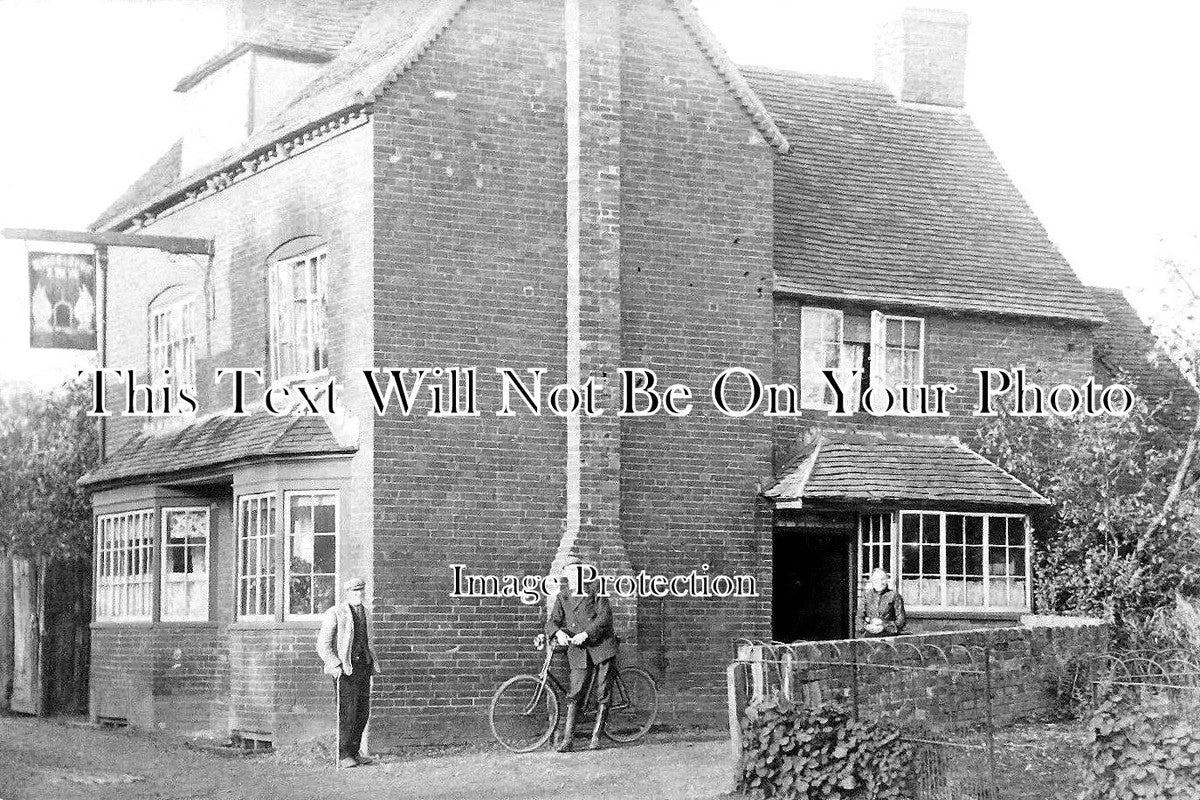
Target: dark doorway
(811, 585)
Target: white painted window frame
(287, 545)
(879, 322)
(897, 561)
(123, 539)
(806, 314)
(164, 572)
(264, 545)
(316, 316)
(177, 311)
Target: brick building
(581, 185)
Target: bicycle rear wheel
(523, 714)
(634, 705)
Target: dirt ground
(49, 760)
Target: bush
(1144, 745)
(800, 752)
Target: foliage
(1143, 745)
(1110, 546)
(795, 751)
(47, 442)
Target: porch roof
(214, 441)
(902, 468)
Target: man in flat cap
(584, 623)
(345, 646)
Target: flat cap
(354, 583)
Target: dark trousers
(354, 708)
(604, 679)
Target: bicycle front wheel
(523, 714)
(634, 705)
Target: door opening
(811, 597)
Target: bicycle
(525, 708)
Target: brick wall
(696, 271)
(469, 271)
(675, 275)
(1025, 662)
(955, 344)
(170, 677)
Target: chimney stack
(243, 16)
(922, 57)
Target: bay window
(256, 541)
(185, 567)
(949, 560)
(312, 527)
(124, 566)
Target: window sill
(925, 612)
(274, 624)
(147, 624)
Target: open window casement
(878, 337)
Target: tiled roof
(162, 173)
(1126, 345)
(215, 441)
(910, 469)
(897, 204)
(389, 39)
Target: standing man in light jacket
(344, 645)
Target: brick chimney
(922, 57)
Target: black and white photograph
(540, 399)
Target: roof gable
(389, 38)
(906, 205)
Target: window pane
(974, 527)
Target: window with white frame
(820, 349)
(185, 549)
(124, 566)
(173, 340)
(298, 292)
(256, 540)
(312, 532)
(875, 544)
(964, 561)
(897, 350)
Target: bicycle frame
(546, 678)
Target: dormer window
(298, 331)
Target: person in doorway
(344, 645)
(583, 623)
(882, 608)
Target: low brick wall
(940, 676)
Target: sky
(1091, 107)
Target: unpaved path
(49, 760)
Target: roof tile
(893, 203)
(876, 467)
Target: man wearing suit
(583, 622)
(344, 645)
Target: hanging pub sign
(62, 300)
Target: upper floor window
(820, 349)
(898, 349)
(173, 339)
(878, 349)
(124, 568)
(185, 564)
(312, 527)
(298, 331)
